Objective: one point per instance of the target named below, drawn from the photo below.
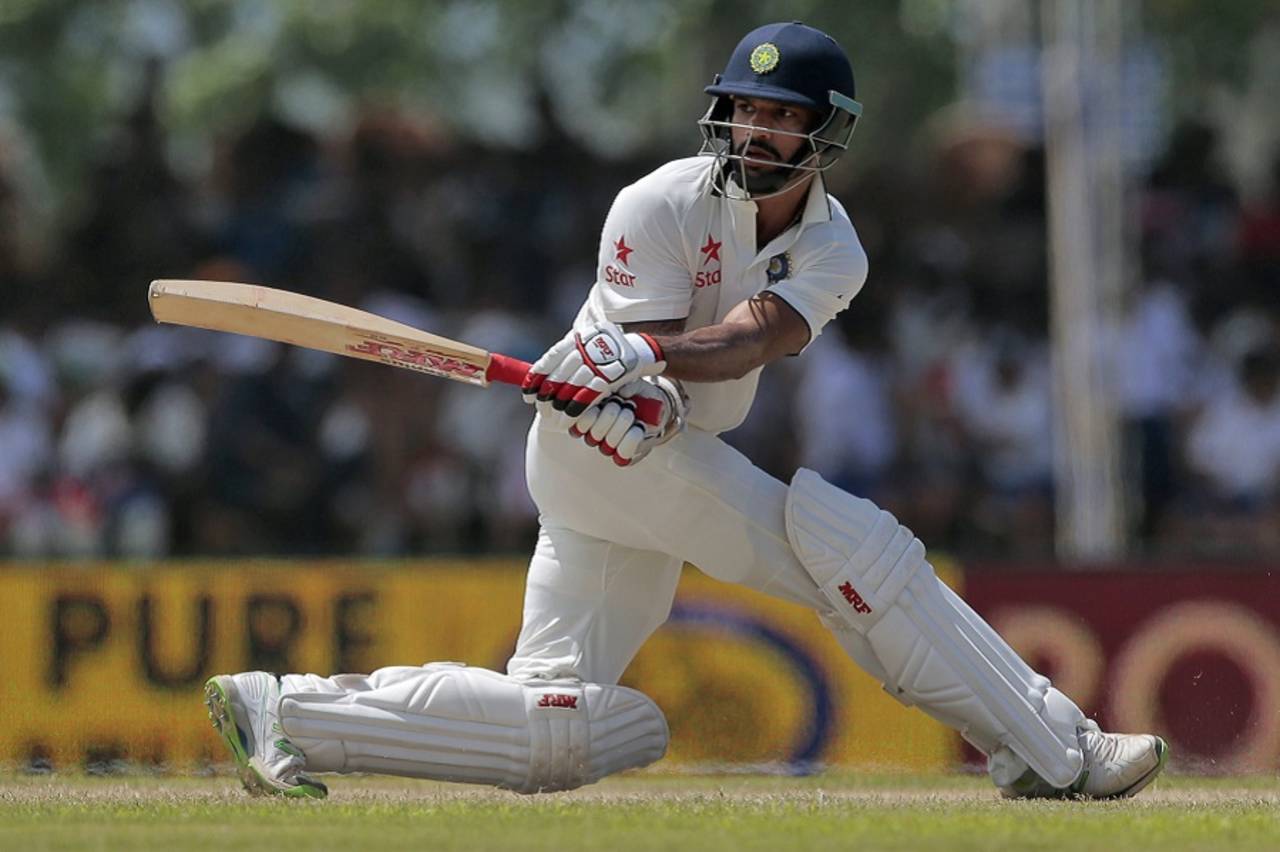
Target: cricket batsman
(709, 268)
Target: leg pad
(932, 649)
(449, 722)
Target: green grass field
(645, 811)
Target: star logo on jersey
(710, 251)
(709, 277)
(615, 275)
(621, 250)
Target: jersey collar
(816, 206)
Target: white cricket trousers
(613, 540)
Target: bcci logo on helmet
(764, 58)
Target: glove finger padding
(563, 381)
(605, 417)
(626, 422)
(532, 386)
(632, 447)
(625, 439)
(583, 424)
(580, 392)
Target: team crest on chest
(779, 267)
(765, 58)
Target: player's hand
(587, 366)
(612, 427)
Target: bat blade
(329, 327)
(313, 323)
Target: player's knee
(451, 722)
(583, 732)
(858, 554)
(578, 732)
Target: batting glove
(587, 366)
(612, 427)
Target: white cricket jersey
(673, 248)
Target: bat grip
(507, 370)
(511, 371)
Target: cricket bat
(329, 327)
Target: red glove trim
(568, 391)
(653, 344)
(585, 397)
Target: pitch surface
(637, 812)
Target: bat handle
(507, 370)
(511, 371)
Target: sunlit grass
(645, 811)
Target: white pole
(1086, 249)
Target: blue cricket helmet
(790, 63)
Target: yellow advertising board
(107, 662)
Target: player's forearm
(714, 353)
(755, 332)
(728, 350)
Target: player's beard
(762, 180)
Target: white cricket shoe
(1115, 766)
(243, 709)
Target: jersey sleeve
(824, 286)
(642, 273)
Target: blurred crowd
(931, 395)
